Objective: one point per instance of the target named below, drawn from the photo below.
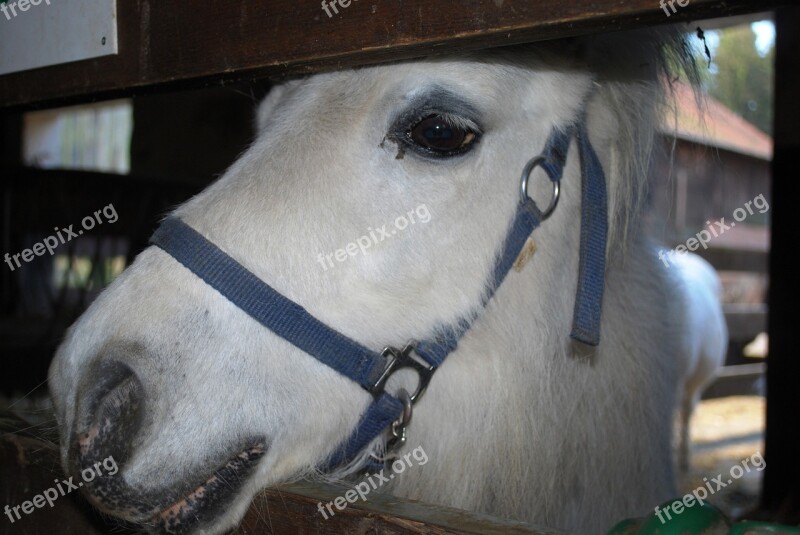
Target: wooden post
(781, 491)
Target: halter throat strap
(371, 369)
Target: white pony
(179, 382)
(706, 339)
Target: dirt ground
(727, 432)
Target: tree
(742, 79)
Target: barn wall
(716, 182)
(181, 143)
(192, 136)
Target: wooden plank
(185, 42)
(737, 380)
(743, 371)
(294, 508)
(735, 259)
(745, 321)
(28, 466)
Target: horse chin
(181, 509)
(209, 500)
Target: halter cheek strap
(371, 369)
(594, 235)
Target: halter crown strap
(369, 368)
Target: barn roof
(715, 126)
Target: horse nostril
(111, 413)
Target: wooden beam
(29, 465)
(751, 371)
(294, 508)
(745, 321)
(186, 42)
(734, 259)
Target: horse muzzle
(111, 417)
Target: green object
(762, 528)
(675, 518)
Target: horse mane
(634, 74)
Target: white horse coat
(512, 423)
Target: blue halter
(372, 369)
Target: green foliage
(742, 79)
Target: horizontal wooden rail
(745, 321)
(294, 508)
(736, 259)
(194, 43)
(743, 371)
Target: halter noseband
(371, 369)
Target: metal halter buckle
(399, 359)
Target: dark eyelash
(406, 123)
(457, 121)
(401, 131)
(450, 119)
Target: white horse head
(184, 389)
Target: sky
(765, 37)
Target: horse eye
(436, 134)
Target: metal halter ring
(399, 426)
(398, 429)
(532, 164)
